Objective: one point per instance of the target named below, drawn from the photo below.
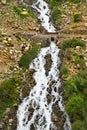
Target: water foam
(35, 110)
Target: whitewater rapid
(35, 112)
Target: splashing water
(35, 112)
(42, 7)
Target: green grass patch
(75, 82)
(76, 95)
(23, 11)
(77, 17)
(56, 16)
(29, 56)
(74, 25)
(79, 60)
(54, 3)
(75, 107)
(78, 125)
(72, 43)
(10, 0)
(76, 1)
(8, 94)
(64, 71)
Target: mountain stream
(42, 108)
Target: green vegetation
(79, 60)
(76, 94)
(75, 107)
(74, 72)
(64, 71)
(78, 125)
(75, 1)
(77, 17)
(53, 3)
(8, 93)
(72, 43)
(56, 16)
(10, 0)
(23, 11)
(75, 25)
(29, 56)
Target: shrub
(77, 17)
(81, 80)
(75, 1)
(29, 56)
(70, 88)
(10, 0)
(64, 71)
(56, 15)
(78, 125)
(79, 60)
(75, 25)
(8, 93)
(72, 43)
(19, 11)
(75, 106)
(53, 3)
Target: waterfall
(35, 112)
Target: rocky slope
(19, 28)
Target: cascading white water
(40, 117)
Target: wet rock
(32, 71)
(51, 83)
(32, 127)
(32, 82)
(48, 63)
(48, 98)
(54, 117)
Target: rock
(68, 22)
(54, 117)
(9, 39)
(32, 82)
(15, 105)
(5, 41)
(6, 117)
(30, 108)
(10, 120)
(48, 98)
(77, 47)
(26, 49)
(1, 125)
(51, 83)
(39, 43)
(24, 12)
(7, 111)
(32, 71)
(3, 2)
(11, 52)
(85, 24)
(48, 63)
